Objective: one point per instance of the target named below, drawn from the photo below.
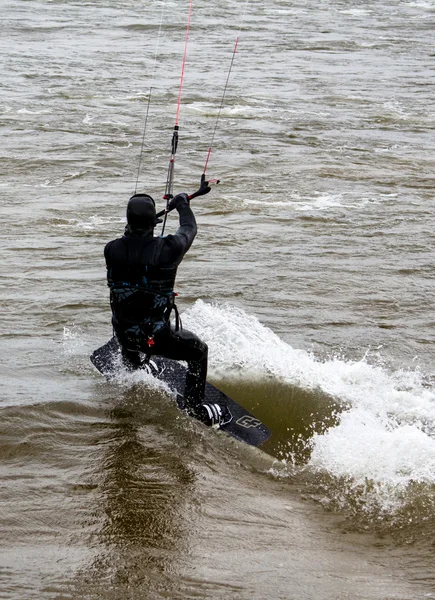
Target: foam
(75, 344)
(320, 203)
(386, 433)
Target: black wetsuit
(141, 271)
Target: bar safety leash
(174, 143)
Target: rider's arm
(187, 230)
(176, 246)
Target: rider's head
(141, 212)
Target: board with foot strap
(218, 409)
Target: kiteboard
(225, 413)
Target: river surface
(311, 279)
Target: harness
(141, 292)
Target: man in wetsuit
(141, 271)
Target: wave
(377, 443)
(363, 435)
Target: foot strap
(214, 415)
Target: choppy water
(311, 279)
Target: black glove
(204, 188)
(177, 201)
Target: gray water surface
(311, 279)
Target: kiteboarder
(141, 271)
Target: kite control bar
(203, 189)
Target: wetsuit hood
(141, 212)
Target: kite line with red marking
(174, 143)
(175, 134)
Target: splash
(77, 345)
(127, 379)
(240, 343)
(383, 447)
(72, 340)
(374, 457)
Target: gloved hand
(204, 188)
(177, 201)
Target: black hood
(141, 212)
